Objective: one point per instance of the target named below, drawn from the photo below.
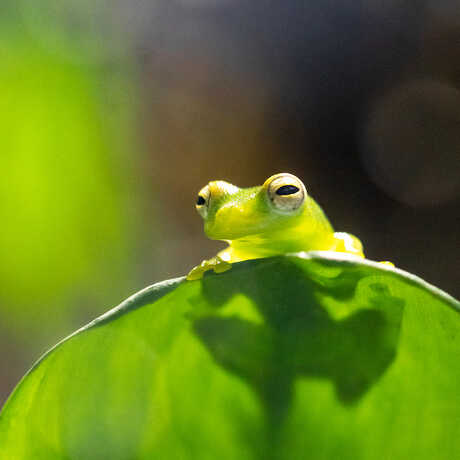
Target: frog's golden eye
(285, 192)
(202, 202)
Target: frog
(275, 218)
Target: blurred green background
(114, 114)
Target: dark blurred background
(114, 114)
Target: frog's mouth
(231, 224)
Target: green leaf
(68, 217)
(306, 356)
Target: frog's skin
(271, 219)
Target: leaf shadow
(298, 337)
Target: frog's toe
(386, 262)
(195, 273)
(216, 264)
(222, 266)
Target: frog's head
(230, 212)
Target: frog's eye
(285, 192)
(202, 202)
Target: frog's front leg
(218, 263)
(345, 242)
